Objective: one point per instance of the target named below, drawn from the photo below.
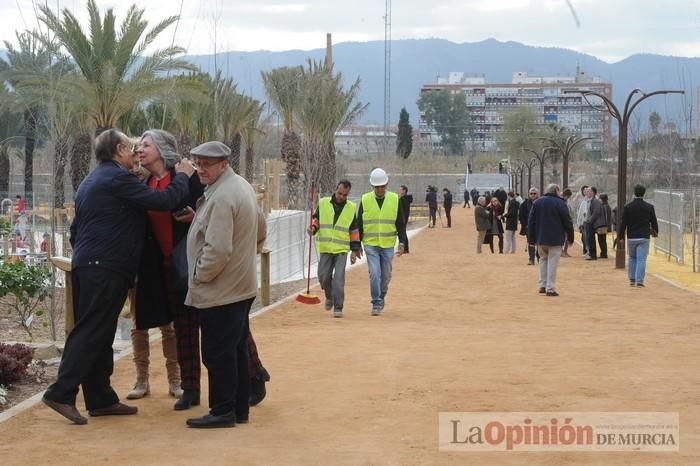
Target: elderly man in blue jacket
(107, 237)
(548, 226)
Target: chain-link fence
(678, 214)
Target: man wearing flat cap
(221, 249)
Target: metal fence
(678, 213)
(670, 213)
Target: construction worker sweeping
(379, 222)
(335, 225)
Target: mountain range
(415, 62)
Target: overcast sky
(609, 29)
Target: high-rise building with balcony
(488, 104)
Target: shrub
(14, 360)
(27, 286)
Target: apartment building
(488, 104)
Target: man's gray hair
(481, 199)
(552, 188)
(166, 145)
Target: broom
(308, 298)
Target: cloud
(611, 30)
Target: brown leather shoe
(117, 409)
(70, 412)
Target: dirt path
(460, 332)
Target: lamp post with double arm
(623, 119)
(541, 157)
(565, 150)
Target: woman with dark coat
(161, 289)
(495, 210)
(157, 299)
(511, 216)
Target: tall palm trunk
(291, 154)
(80, 158)
(327, 175)
(185, 145)
(61, 157)
(250, 163)
(235, 160)
(30, 117)
(4, 171)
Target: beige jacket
(222, 244)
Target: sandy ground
(460, 332)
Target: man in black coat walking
(107, 236)
(524, 215)
(639, 221)
(447, 204)
(405, 201)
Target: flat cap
(211, 149)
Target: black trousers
(403, 239)
(448, 211)
(225, 355)
(431, 213)
(603, 243)
(98, 297)
(590, 240)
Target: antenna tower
(387, 72)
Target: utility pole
(387, 73)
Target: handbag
(180, 273)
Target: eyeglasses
(533, 194)
(206, 164)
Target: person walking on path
(466, 199)
(447, 204)
(431, 199)
(379, 222)
(107, 237)
(222, 243)
(594, 220)
(405, 201)
(549, 224)
(581, 215)
(524, 213)
(566, 195)
(474, 193)
(639, 222)
(335, 225)
(495, 209)
(482, 222)
(602, 232)
(511, 216)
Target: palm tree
(30, 57)
(248, 134)
(325, 107)
(9, 128)
(283, 88)
(57, 90)
(118, 75)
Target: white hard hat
(378, 177)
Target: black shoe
(242, 418)
(543, 290)
(257, 388)
(603, 257)
(552, 293)
(640, 285)
(212, 422)
(632, 283)
(189, 398)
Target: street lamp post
(541, 157)
(565, 151)
(623, 119)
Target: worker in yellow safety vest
(379, 222)
(335, 226)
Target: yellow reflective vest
(334, 239)
(379, 225)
